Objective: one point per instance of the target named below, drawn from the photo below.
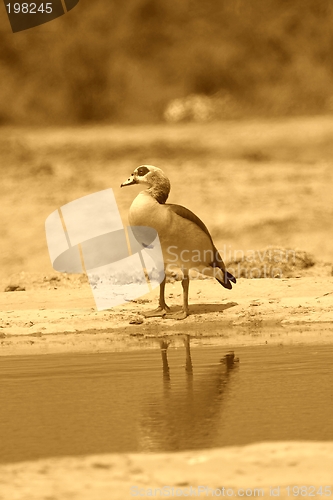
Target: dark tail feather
(228, 278)
(231, 277)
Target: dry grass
(254, 184)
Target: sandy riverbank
(255, 468)
(60, 316)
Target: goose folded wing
(187, 214)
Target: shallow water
(155, 400)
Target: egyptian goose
(185, 240)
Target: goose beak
(129, 181)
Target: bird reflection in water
(189, 413)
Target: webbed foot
(176, 315)
(158, 312)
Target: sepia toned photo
(166, 284)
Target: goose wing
(187, 214)
(218, 262)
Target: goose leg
(162, 308)
(184, 312)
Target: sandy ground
(62, 317)
(263, 470)
(254, 183)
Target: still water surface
(156, 400)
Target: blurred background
(233, 99)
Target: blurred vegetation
(115, 61)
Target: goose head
(156, 182)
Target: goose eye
(142, 171)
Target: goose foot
(158, 312)
(177, 315)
